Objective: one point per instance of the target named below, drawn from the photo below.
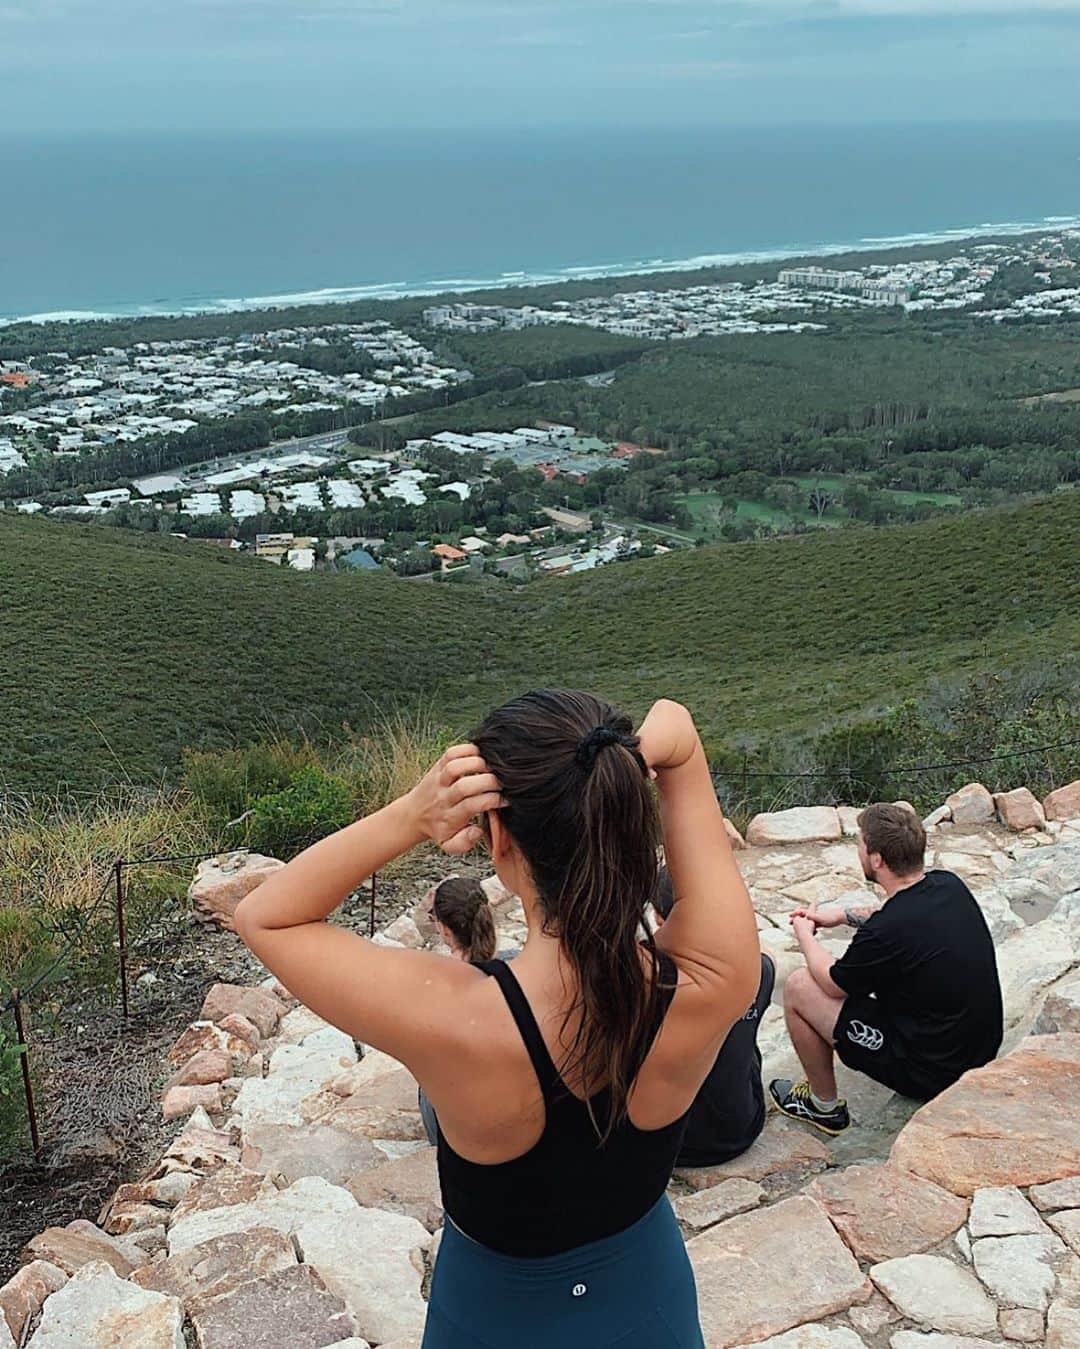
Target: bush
(313, 805)
(225, 783)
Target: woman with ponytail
(463, 915)
(562, 1082)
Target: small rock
(972, 804)
(373, 1260)
(1063, 804)
(226, 1185)
(241, 1028)
(883, 1212)
(204, 1035)
(286, 1309)
(24, 1294)
(1003, 1212)
(80, 1243)
(1021, 1323)
(387, 1107)
(97, 1310)
(938, 1294)
(941, 815)
(405, 931)
(198, 1148)
(222, 882)
(202, 1069)
(800, 824)
(1058, 1194)
(1067, 1226)
(1019, 810)
(1061, 1010)
(216, 1267)
(963, 1243)
(179, 1101)
(849, 820)
(1018, 1270)
(409, 1186)
(874, 1315)
(261, 1007)
(721, 1201)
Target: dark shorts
(866, 1041)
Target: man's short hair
(897, 834)
(664, 898)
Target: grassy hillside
(118, 650)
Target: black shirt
(927, 958)
(729, 1110)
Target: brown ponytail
(582, 813)
(462, 907)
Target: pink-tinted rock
(409, 1185)
(260, 1006)
(286, 1309)
(241, 1028)
(754, 1280)
(1022, 1324)
(386, 1107)
(180, 1101)
(222, 882)
(215, 1267)
(1019, 810)
(203, 1036)
(1014, 1122)
(25, 1292)
(972, 804)
(1063, 804)
(228, 1184)
(203, 1069)
(883, 1212)
(198, 1149)
(80, 1243)
(799, 824)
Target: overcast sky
(222, 64)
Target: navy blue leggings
(634, 1290)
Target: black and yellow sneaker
(794, 1100)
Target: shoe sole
(802, 1119)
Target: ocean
(140, 224)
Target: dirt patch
(99, 1077)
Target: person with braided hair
(562, 1081)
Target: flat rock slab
(1029, 962)
(1067, 1226)
(1061, 1010)
(1058, 1194)
(812, 1337)
(386, 1106)
(216, 1267)
(283, 1210)
(409, 1185)
(780, 1148)
(222, 882)
(1014, 1122)
(24, 1293)
(883, 1212)
(1019, 1271)
(81, 1243)
(374, 1261)
(937, 1293)
(97, 1310)
(755, 1279)
(287, 1309)
(706, 1207)
(229, 1184)
(801, 824)
(1002, 1211)
(293, 1151)
(1018, 1323)
(1062, 1327)
(259, 1005)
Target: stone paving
(298, 1205)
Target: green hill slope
(117, 650)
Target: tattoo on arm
(856, 919)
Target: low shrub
(314, 804)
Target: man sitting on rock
(729, 1110)
(914, 1001)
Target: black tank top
(568, 1189)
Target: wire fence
(113, 889)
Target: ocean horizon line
(400, 290)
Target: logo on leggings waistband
(579, 1290)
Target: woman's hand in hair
(448, 799)
(668, 735)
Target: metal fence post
(121, 932)
(24, 1057)
(371, 927)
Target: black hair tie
(591, 745)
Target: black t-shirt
(927, 957)
(729, 1110)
